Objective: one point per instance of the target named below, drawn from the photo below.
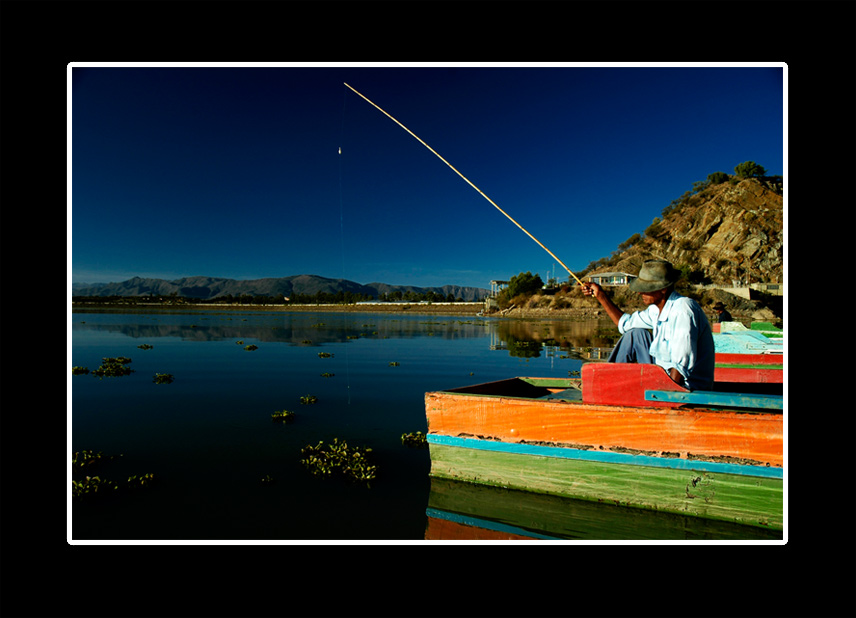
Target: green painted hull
(742, 499)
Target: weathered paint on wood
(752, 359)
(710, 434)
(748, 374)
(715, 399)
(619, 457)
(744, 500)
(625, 383)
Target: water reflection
(590, 339)
(465, 511)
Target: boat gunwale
(461, 392)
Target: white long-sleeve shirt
(681, 340)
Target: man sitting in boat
(681, 343)
(722, 313)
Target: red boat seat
(624, 384)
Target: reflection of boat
(466, 511)
(627, 436)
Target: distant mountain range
(206, 288)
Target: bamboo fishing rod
(471, 184)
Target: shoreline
(462, 309)
(455, 309)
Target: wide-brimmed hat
(718, 305)
(655, 275)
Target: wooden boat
(624, 434)
(760, 338)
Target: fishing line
(472, 185)
(342, 236)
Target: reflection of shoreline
(303, 333)
(590, 339)
(574, 335)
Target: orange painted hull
(715, 435)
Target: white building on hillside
(612, 278)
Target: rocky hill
(725, 232)
(206, 288)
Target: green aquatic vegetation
(417, 439)
(135, 481)
(267, 479)
(113, 367)
(394, 364)
(145, 346)
(79, 371)
(88, 458)
(91, 486)
(164, 378)
(339, 460)
(307, 399)
(327, 375)
(324, 355)
(240, 342)
(251, 347)
(282, 416)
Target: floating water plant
(282, 416)
(394, 364)
(79, 371)
(135, 481)
(91, 485)
(96, 485)
(145, 346)
(163, 378)
(87, 457)
(324, 355)
(327, 375)
(251, 347)
(417, 439)
(113, 367)
(339, 460)
(309, 399)
(267, 479)
(240, 342)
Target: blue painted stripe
(487, 524)
(713, 398)
(606, 456)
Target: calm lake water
(209, 440)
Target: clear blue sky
(236, 171)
